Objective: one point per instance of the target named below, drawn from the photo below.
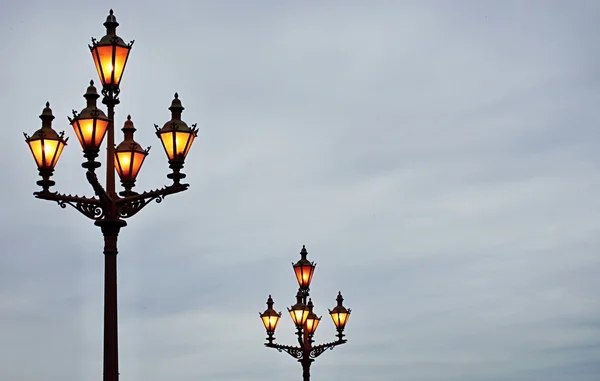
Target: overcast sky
(438, 159)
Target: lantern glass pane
(46, 152)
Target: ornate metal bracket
(131, 205)
(312, 352)
(295, 352)
(318, 350)
(89, 207)
(104, 206)
(93, 208)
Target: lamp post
(305, 320)
(107, 209)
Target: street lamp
(177, 139)
(107, 209)
(129, 157)
(46, 145)
(305, 320)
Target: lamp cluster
(91, 124)
(304, 318)
(90, 127)
(302, 313)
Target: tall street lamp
(107, 209)
(305, 320)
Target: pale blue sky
(438, 159)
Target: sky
(438, 159)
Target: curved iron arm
(103, 206)
(89, 207)
(131, 205)
(106, 202)
(318, 350)
(313, 351)
(295, 352)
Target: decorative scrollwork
(305, 353)
(104, 206)
(131, 205)
(131, 208)
(89, 207)
(316, 352)
(91, 211)
(295, 352)
(111, 93)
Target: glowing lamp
(176, 136)
(46, 146)
(304, 270)
(312, 321)
(129, 157)
(90, 124)
(110, 54)
(270, 318)
(340, 314)
(299, 311)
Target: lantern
(177, 139)
(340, 314)
(270, 318)
(304, 270)
(129, 157)
(110, 54)
(176, 136)
(312, 321)
(46, 145)
(90, 125)
(299, 311)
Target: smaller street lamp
(312, 321)
(305, 320)
(90, 126)
(304, 270)
(129, 157)
(299, 311)
(270, 318)
(46, 145)
(177, 139)
(340, 315)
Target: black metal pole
(110, 231)
(306, 361)
(110, 100)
